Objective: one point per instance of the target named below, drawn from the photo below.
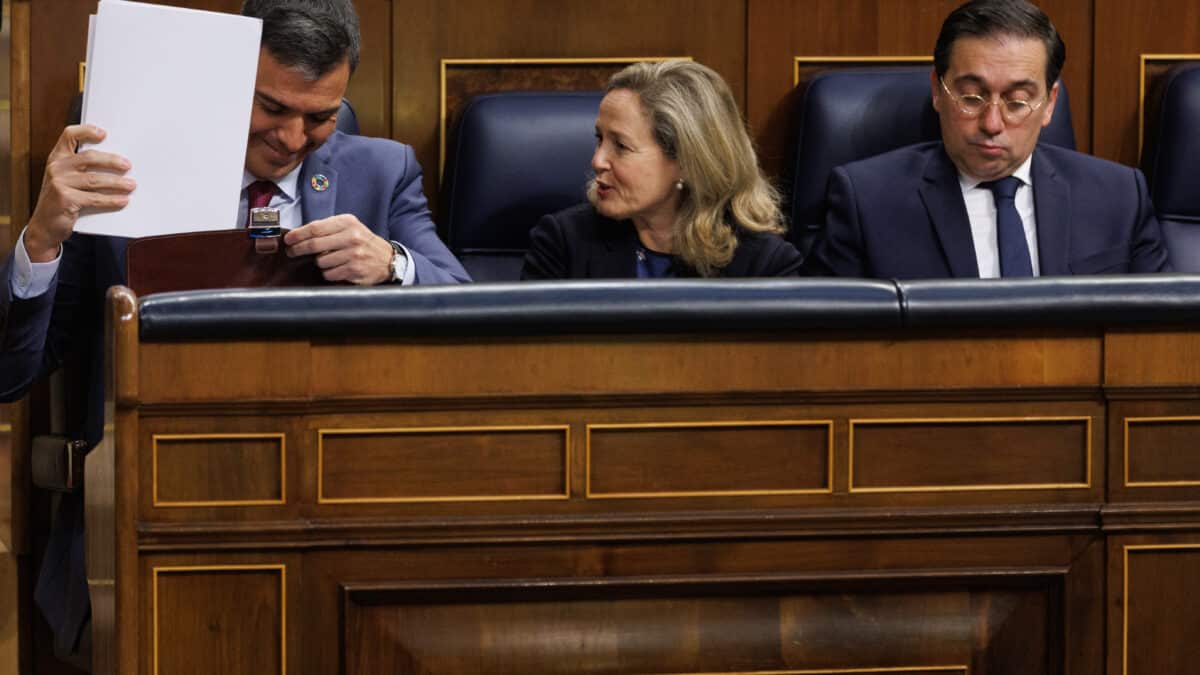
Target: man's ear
(935, 89)
(1051, 100)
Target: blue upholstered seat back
(517, 157)
(851, 114)
(1172, 162)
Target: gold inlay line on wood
(882, 670)
(157, 503)
(452, 63)
(872, 60)
(189, 569)
(1154, 483)
(973, 488)
(5, 428)
(1141, 118)
(1125, 590)
(322, 433)
(828, 424)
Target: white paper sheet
(173, 89)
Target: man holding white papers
(354, 203)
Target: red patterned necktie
(258, 195)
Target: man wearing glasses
(987, 201)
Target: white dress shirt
(981, 211)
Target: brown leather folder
(220, 259)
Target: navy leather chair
(851, 114)
(1171, 162)
(517, 157)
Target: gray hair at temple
(988, 18)
(313, 36)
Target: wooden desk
(927, 501)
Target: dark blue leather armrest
(546, 308)
(1052, 301)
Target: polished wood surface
(650, 519)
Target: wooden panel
(1126, 31)
(970, 454)
(8, 491)
(780, 30)
(1135, 358)
(426, 31)
(10, 624)
(599, 365)
(218, 469)
(229, 370)
(1162, 451)
(219, 619)
(613, 626)
(442, 464)
(1160, 581)
(715, 458)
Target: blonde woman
(677, 189)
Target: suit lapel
(942, 195)
(1052, 208)
(315, 203)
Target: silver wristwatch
(399, 263)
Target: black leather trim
(1053, 301)
(528, 308)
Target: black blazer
(578, 243)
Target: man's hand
(74, 181)
(346, 250)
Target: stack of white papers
(173, 89)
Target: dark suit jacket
(901, 215)
(377, 180)
(578, 243)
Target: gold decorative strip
(1154, 483)
(187, 569)
(1125, 590)
(972, 488)
(709, 493)
(844, 60)
(1141, 118)
(453, 63)
(882, 670)
(322, 433)
(157, 503)
(5, 428)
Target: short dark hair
(987, 18)
(311, 35)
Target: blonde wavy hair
(696, 122)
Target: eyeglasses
(972, 106)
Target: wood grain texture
(967, 454)
(1152, 450)
(1124, 32)
(680, 459)
(443, 464)
(1152, 578)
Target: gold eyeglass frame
(1002, 104)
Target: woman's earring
(679, 185)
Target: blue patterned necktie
(1010, 233)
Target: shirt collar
(1024, 173)
(286, 185)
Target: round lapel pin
(320, 183)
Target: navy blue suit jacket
(901, 215)
(377, 180)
